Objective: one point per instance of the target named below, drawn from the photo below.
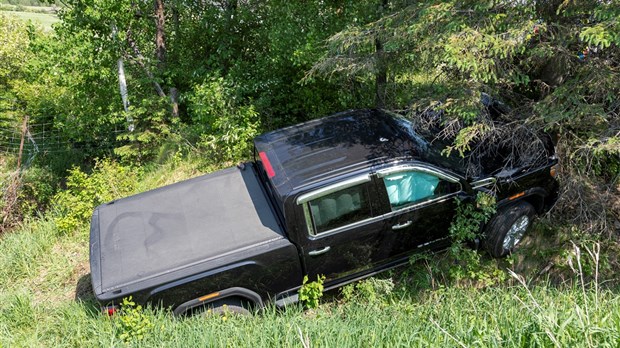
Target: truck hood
(177, 226)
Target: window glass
(406, 188)
(340, 208)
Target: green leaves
(14, 51)
(466, 227)
(225, 127)
(74, 206)
(132, 323)
(600, 35)
(311, 293)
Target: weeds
(311, 293)
(133, 323)
(463, 264)
(371, 290)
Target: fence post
(21, 143)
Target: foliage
(226, 129)
(37, 191)
(151, 132)
(466, 227)
(372, 290)
(311, 293)
(553, 62)
(14, 38)
(109, 180)
(470, 217)
(133, 323)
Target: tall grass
(20, 251)
(497, 317)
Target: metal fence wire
(41, 138)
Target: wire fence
(46, 138)
(28, 141)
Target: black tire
(232, 306)
(507, 228)
(230, 309)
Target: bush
(108, 181)
(39, 186)
(132, 323)
(370, 291)
(311, 293)
(225, 128)
(151, 130)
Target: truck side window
(340, 208)
(411, 187)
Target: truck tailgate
(181, 225)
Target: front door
(421, 205)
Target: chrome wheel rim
(516, 232)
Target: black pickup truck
(346, 196)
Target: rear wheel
(223, 307)
(506, 229)
(228, 309)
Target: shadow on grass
(84, 294)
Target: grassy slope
(46, 301)
(44, 19)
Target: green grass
(46, 301)
(496, 317)
(44, 19)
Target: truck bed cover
(178, 226)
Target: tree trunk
(139, 58)
(380, 75)
(160, 51)
(160, 40)
(174, 100)
(228, 37)
(380, 66)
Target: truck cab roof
(303, 154)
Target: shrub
(151, 130)
(225, 127)
(466, 226)
(108, 181)
(311, 293)
(132, 323)
(371, 290)
(38, 189)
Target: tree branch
(139, 58)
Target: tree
(555, 62)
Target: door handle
(319, 252)
(401, 226)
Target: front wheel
(507, 228)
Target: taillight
(267, 165)
(109, 310)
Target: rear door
(344, 230)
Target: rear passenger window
(340, 208)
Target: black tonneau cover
(177, 226)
